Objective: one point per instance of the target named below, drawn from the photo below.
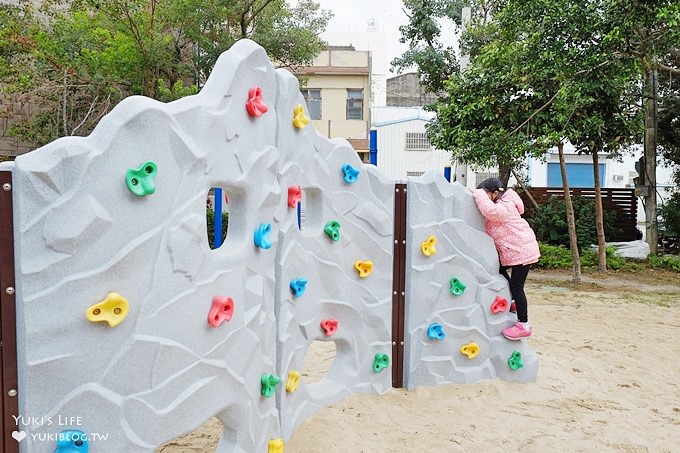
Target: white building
(403, 147)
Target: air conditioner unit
(618, 177)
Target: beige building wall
(334, 72)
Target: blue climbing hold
(351, 173)
(436, 331)
(262, 236)
(297, 286)
(72, 441)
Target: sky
(355, 16)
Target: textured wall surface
(161, 369)
(463, 251)
(164, 370)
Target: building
(405, 90)
(403, 147)
(337, 91)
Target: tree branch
(535, 113)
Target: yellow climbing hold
(470, 350)
(275, 446)
(293, 381)
(364, 268)
(113, 310)
(427, 246)
(300, 120)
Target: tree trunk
(650, 158)
(571, 223)
(599, 215)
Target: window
(355, 104)
(417, 141)
(313, 100)
(578, 175)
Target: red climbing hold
(255, 106)
(500, 304)
(222, 310)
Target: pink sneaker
(517, 332)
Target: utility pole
(461, 168)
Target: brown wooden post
(8, 350)
(398, 285)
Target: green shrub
(669, 262)
(549, 222)
(559, 257)
(210, 219)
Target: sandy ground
(608, 381)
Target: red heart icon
(222, 310)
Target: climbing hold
(72, 441)
(436, 331)
(275, 446)
(457, 287)
(515, 361)
(255, 106)
(293, 381)
(499, 304)
(298, 286)
(262, 236)
(222, 310)
(380, 362)
(351, 173)
(364, 268)
(329, 326)
(300, 120)
(332, 229)
(294, 196)
(141, 181)
(427, 246)
(113, 310)
(470, 350)
(269, 383)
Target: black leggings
(517, 277)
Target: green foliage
(559, 257)
(79, 59)
(210, 219)
(670, 216)
(549, 222)
(669, 262)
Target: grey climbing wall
(133, 331)
(468, 345)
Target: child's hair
(491, 185)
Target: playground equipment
(97, 233)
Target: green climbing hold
(142, 181)
(332, 229)
(457, 287)
(380, 362)
(515, 360)
(269, 383)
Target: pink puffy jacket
(514, 238)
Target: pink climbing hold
(499, 305)
(222, 310)
(255, 106)
(294, 196)
(329, 326)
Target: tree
(435, 61)
(87, 55)
(540, 72)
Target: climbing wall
(132, 331)
(457, 304)
(131, 327)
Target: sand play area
(608, 381)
